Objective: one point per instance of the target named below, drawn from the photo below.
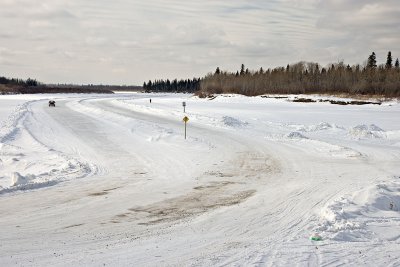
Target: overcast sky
(130, 41)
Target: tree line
(32, 86)
(309, 77)
(188, 85)
(21, 82)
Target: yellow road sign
(185, 119)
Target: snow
(110, 180)
(368, 214)
(366, 131)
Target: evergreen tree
(242, 70)
(389, 61)
(371, 63)
(217, 71)
(31, 82)
(396, 65)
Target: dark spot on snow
(74, 225)
(98, 194)
(276, 97)
(123, 215)
(111, 189)
(304, 100)
(193, 204)
(335, 102)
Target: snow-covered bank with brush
(110, 180)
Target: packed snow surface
(109, 180)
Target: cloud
(355, 27)
(7, 35)
(360, 15)
(6, 52)
(41, 24)
(119, 70)
(96, 40)
(89, 40)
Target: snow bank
(18, 179)
(322, 126)
(323, 148)
(371, 213)
(296, 135)
(233, 122)
(9, 128)
(366, 131)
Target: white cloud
(41, 24)
(156, 39)
(96, 40)
(119, 70)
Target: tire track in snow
(249, 167)
(248, 164)
(40, 165)
(284, 216)
(91, 142)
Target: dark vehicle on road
(52, 103)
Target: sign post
(185, 119)
(184, 107)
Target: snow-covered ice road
(109, 180)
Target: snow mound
(9, 129)
(38, 169)
(367, 131)
(21, 182)
(27, 186)
(369, 213)
(233, 122)
(296, 135)
(18, 179)
(322, 126)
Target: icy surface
(110, 180)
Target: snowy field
(109, 180)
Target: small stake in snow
(185, 119)
(184, 107)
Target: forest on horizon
(299, 78)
